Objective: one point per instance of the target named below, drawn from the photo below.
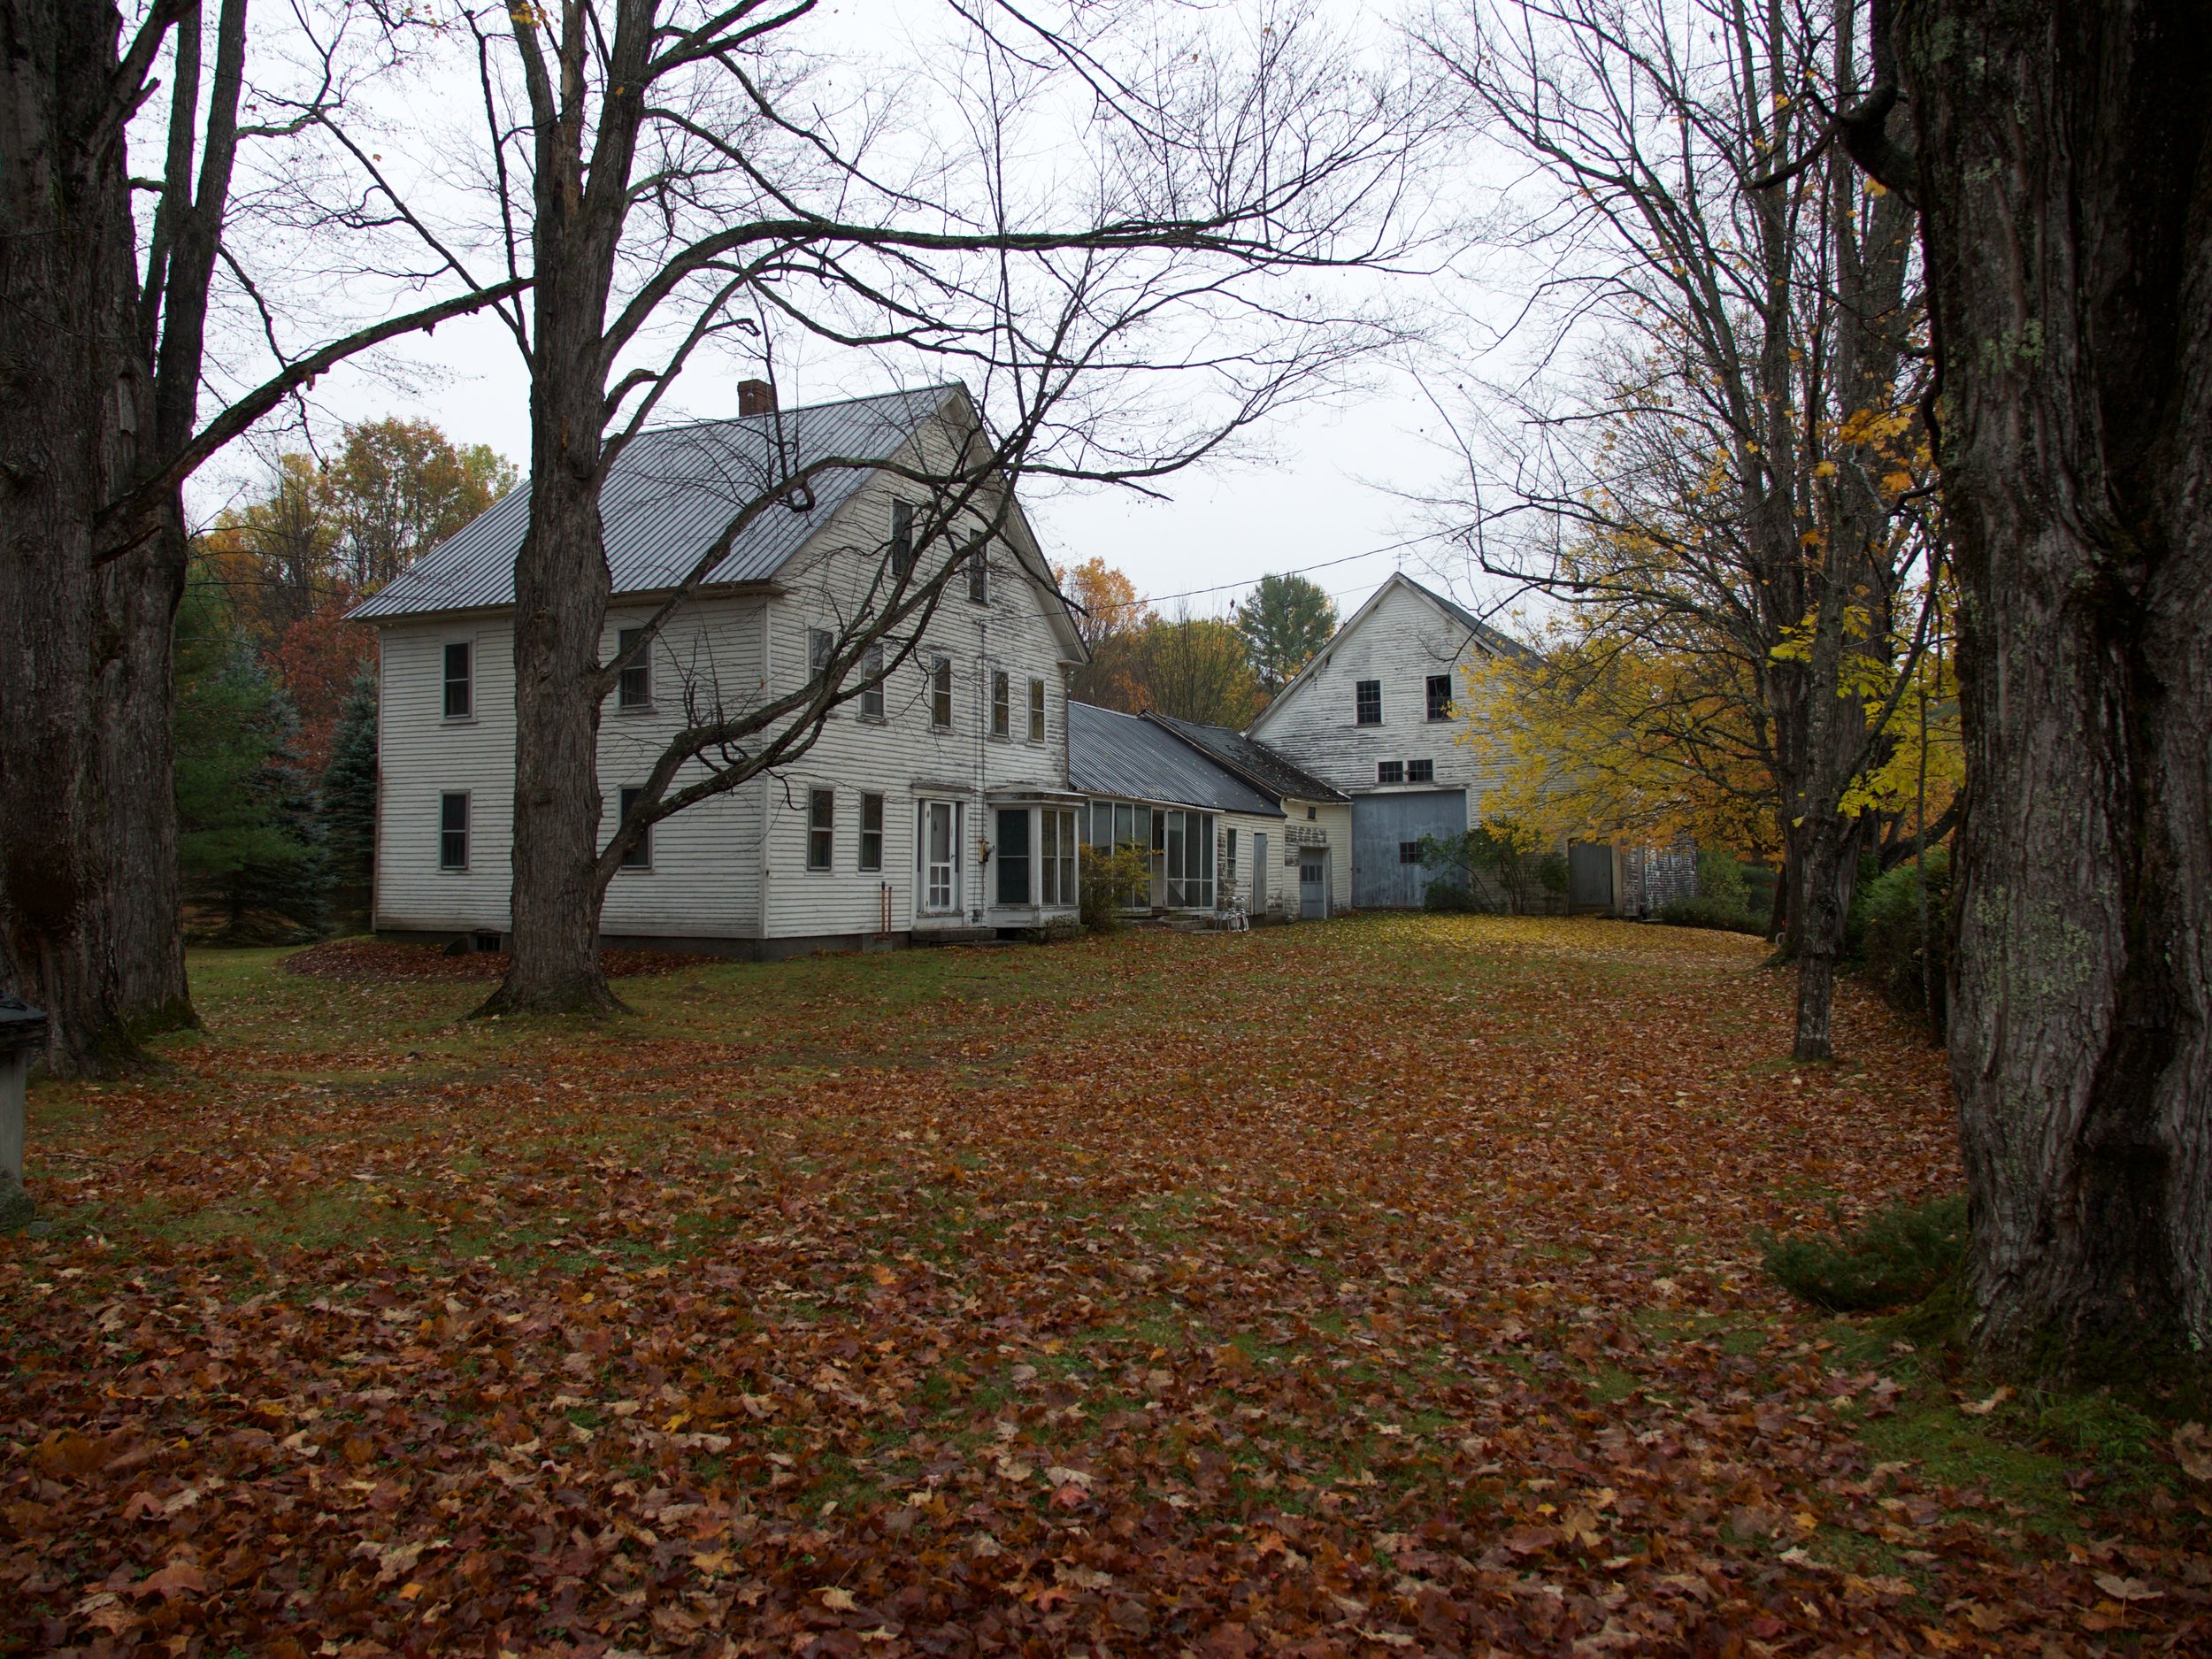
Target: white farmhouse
(1376, 714)
(935, 805)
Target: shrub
(1887, 913)
(1707, 912)
(1453, 897)
(1108, 881)
(1904, 1253)
(1497, 851)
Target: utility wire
(1223, 587)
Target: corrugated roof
(1252, 760)
(1125, 754)
(669, 494)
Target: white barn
(937, 807)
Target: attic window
(1440, 696)
(1036, 711)
(634, 688)
(1390, 772)
(1367, 702)
(978, 577)
(902, 538)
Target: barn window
(453, 830)
(872, 832)
(460, 681)
(634, 689)
(1408, 852)
(1440, 696)
(1420, 771)
(640, 857)
(1001, 705)
(1036, 711)
(821, 821)
(1390, 772)
(940, 693)
(872, 691)
(1367, 702)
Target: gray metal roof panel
(1263, 768)
(1125, 754)
(669, 494)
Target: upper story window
(1002, 705)
(821, 828)
(633, 688)
(821, 645)
(1036, 711)
(1420, 771)
(460, 680)
(640, 856)
(453, 830)
(940, 693)
(1440, 696)
(978, 577)
(1367, 702)
(1390, 772)
(872, 693)
(901, 537)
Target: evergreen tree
(1285, 624)
(249, 846)
(349, 802)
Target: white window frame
(825, 796)
(940, 690)
(467, 831)
(937, 884)
(1037, 710)
(624, 702)
(1002, 705)
(1058, 871)
(446, 681)
(864, 835)
(871, 696)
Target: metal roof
(1127, 755)
(1252, 760)
(668, 496)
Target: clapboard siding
(420, 756)
(1400, 638)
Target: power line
(1223, 587)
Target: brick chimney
(756, 397)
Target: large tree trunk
(2065, 170)
(75, 403)
(1827, 860)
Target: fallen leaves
(1382, 1286)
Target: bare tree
(682, 188)
(2059, 154)
(1740, 460)
(106, 367)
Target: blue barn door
(1385, 828)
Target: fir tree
(349, 802)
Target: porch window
(937, 856)
(872, 693)
(640, 857)
(1036, 711)
(872, 832)
(1188, 838)
(821, 828)
(634, 689)
(940, 695)
(1056, 854)
(1390, 772)
(1440, 696)
(453, 830)
(1001, 705)
(1012, 855)
(1367, 702)
(460, 681)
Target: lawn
(1385, 1287)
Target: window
(1036, 711)
(821, 828)
(1057, 855)
(871, 692)
(937, 856)
(821, 645)
(453, 829)
(460, 681)
(640, 857)
(634, 688)
(1440, 696)
(940, 693)
(1312, 813)
(872, 832)
(1188, 844)
(1408, 852)
(1001, 710)
(978, 577)
(1420, 771)
(1012, 856)
(1116, 824)
(902, 538)
(1367, 702)
(1229, 858)
(1390, 772)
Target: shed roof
(1127, 755)
(669, 494)
(1252, 760)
